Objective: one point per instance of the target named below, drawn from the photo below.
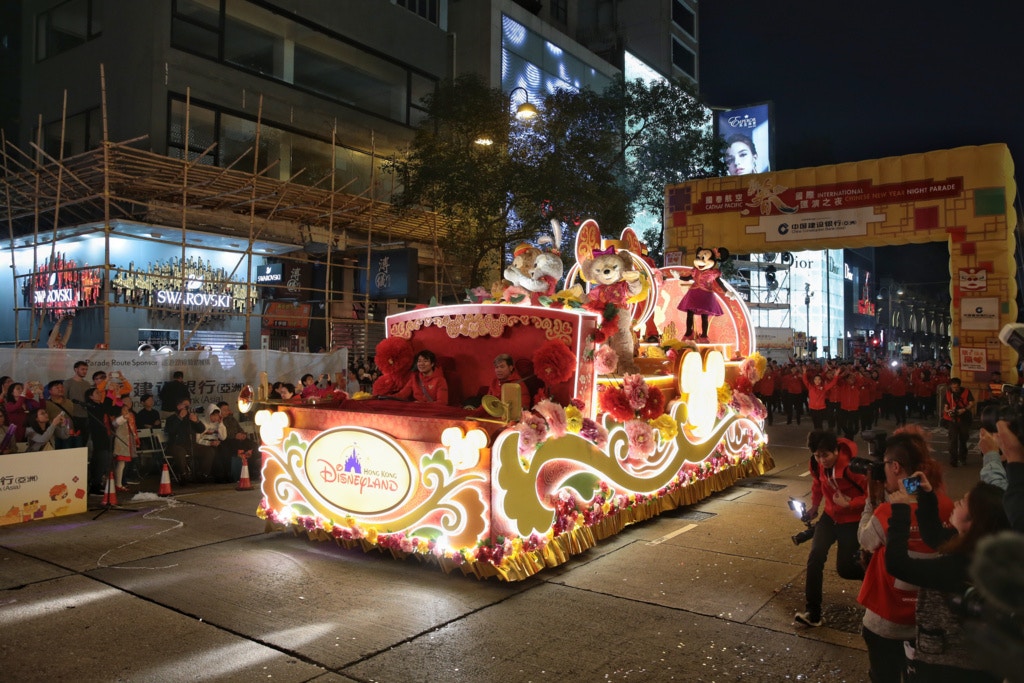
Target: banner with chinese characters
(973, 359)
(40, 485)
(962, 197)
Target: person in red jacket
(792, 393)
(890, 604)
(764, 389)
(849, 403)
(844, 493)
(817, 390)
(898, 394)
(427, 384)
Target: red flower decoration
(394, 356)
(614, 401)
(554, 362)
(655, 405)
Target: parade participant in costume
(957, 417)
(844, 494)
(126, 442)
(890, 603)
(700, 298)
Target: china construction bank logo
(358, 470)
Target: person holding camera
(843, 492)
(942, 650)
(889, 614)
(957, 417)
(181, 429)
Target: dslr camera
(1009, 408)
(872, 465)
(800, 509)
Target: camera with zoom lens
(1009, 408)
(804, 536)
(872, 465)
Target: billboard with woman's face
(747, 132)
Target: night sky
(870, 79)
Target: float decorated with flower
(611, 435)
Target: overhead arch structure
(962, 196)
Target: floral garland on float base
(632, 464)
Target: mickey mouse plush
(700, 299)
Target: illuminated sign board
(270, 274)
(167, 298)
(393, 273)
(747, 132)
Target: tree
(589, 155)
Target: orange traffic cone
(110, 493)
(243, 481)
(165, 482)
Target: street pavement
(190, 588)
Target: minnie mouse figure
(700, 298)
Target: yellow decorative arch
(961, 196)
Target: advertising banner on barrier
(42, 484)
(211, 377)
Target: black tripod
(91, 408)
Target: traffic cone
(243, 481)
(110, 493)
(165, 482)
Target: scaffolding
(49, 199)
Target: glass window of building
(684, 18)
(262, 42)
(283, 154)
(532, 62)
(195, 26)
(67, 26)
(425, 8)
(684, 58)
(80, 132)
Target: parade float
(619, 431)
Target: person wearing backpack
(844, 493)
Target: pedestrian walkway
(191, 588)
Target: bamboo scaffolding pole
(35, 232)
(252, 223)
(105, 289)
(182, 342)
(10, 232)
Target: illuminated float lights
(578, 524)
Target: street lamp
(524, 112)
(807, 302)
(886, 293)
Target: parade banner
(211, 376)
(42, 484)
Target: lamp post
(886, 293)
(807, 303)
(524, 112)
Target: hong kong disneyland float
(618, 431)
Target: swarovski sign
(167, 298)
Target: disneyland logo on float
(351, 473)
(361, 471)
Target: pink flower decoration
(641, 438)
(605, 360)
(636, 391)
(554, 415)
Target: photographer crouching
(843, 491)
